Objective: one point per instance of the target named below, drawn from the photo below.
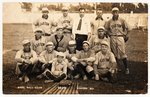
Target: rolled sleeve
(18, 57)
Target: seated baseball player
(105, 64)
(86, 57)
(98, 38)
(25, 59)
(60, 41)
(72, 56)
(46, 58)
(59, 69)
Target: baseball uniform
(38, 45)
(21, 56)
(44, 24)
(103, 63)
(117, 30)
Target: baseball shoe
(40, 76)
(26, 79)
(104, 79)
(48, 81)
(20, 78)
(77, 76)
(84, 77)
(127, 71)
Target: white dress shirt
(85, 26)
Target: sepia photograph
(75, 48)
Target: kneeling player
(105, 65)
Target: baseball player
(59, 69)
(98, 22)
(46, 58)
(66, 22)
(44, 22)
(105, 64)
(25, 59)
(97, 39)
(60, 41)
(85, 60)
(118, 31)
(72, 55)
(38, 43)
(54, 27)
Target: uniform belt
(117, 35)
(46, 34)
(103, 68)
(67, 32)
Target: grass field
(134, 83)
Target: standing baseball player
(59, 68)
(98, 22)
(44, 22)
(118, 31)
(105, 64)
(66, 22)
(25, 58)
(46, 58)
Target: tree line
(90, 8)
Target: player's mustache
(45, 16)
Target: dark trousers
(91, 74)
(73, 72)
(111, 77)
(37, 69)
(79, 40)
(26, 69)
(81, 70)
(48, 65)
(56, 79)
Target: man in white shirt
(81, 29)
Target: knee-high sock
(125, 62)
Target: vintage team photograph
(75, 48)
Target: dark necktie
(79, 25)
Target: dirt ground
(134, 83)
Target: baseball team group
(69, 49)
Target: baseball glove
(65, 83)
